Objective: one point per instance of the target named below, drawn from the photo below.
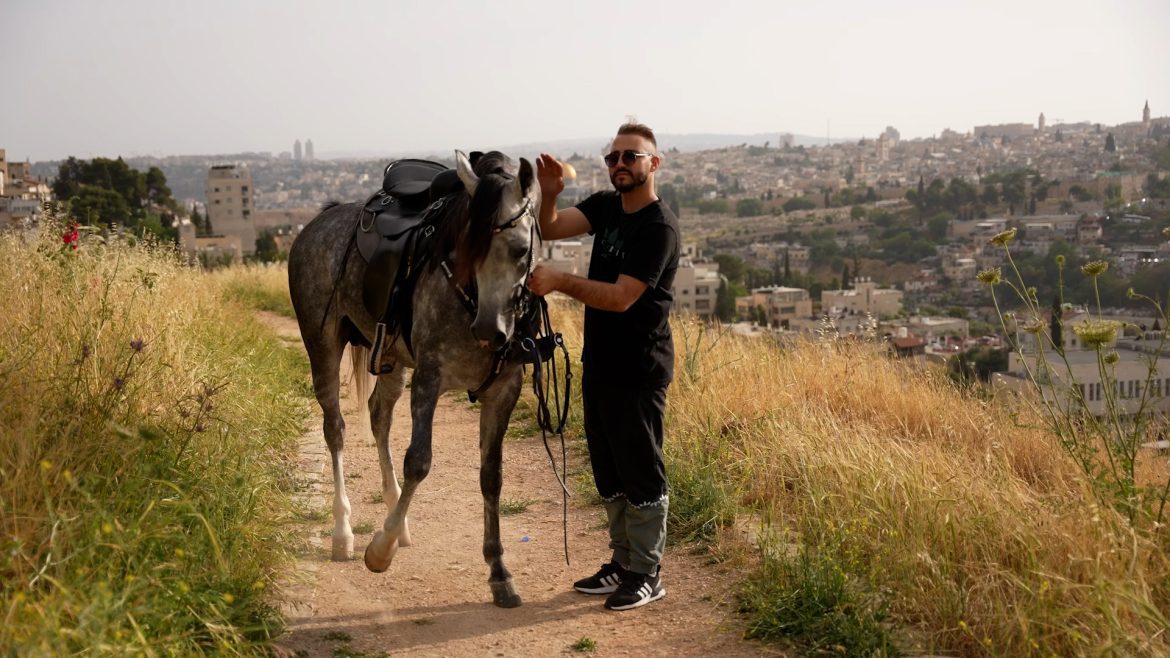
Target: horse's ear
(466, 173)
(526, 176)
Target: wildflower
(990, 276)
(1131, 293)
(137, 344)
(1166, 231)
(184, 413)
(67, 474)
(1002, 239)
(1033, 327)
(259, 584)
(85, 351)
(1095, 268)
(118, 383)
(1112, 358)
(184, 587)
(1096, 333)
(180, 552)
(228, 598)
(71, 236)
(199, 427)
(46, 464)
(1060, 261)
(107, 528)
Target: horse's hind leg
(424, 395)
(493, 422)
(325, 359)
(386, 393)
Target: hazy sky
(122, 77)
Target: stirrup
(375, 365)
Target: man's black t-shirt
(634, 347)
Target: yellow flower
(990, 276)
(1112, 358)
(184, 587)
(107, 528)
(180, 552)
(1095, 268)
(67, 474)
(46, 464)
(1096, 333)
(1060, 261)
(1002, 239)
(228, 598)
(259, 584)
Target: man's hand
(544, 280)
(551, 176)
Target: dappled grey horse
(484, 238)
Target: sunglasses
(628, 157)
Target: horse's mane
(465, 222)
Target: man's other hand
(543, 280)
(551, 176)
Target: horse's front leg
(424, 395)
(493, 422)
(386, 394)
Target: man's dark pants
(624, 431)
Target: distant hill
(594, 145)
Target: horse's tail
(359, 361)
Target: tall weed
(144, 441)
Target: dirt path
(434, 600)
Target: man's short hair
(639, 129)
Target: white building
(865, 297)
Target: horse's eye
(518, 250)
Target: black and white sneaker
(636, 590)
(605, 581)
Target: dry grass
(963, 515)
(143, 434)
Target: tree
(799, 203)
(937, 225)
(724, 302)
(731, 266)
(1110, 144)
(94, 205)
(990, 195)
(749, 207)
(266, 249)
(1055, 325)
(845, 277)
(137, 190)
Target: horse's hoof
(375, 564)
(343, 548)
(504, 595)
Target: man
(628, 355)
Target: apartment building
(696, 287)
(865, 297)
(783, 307)
(231, 203)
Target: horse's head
(499, 240)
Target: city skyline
(132, 78)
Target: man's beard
(636, 180)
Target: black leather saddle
(394, 223)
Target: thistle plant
(1105, 443)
